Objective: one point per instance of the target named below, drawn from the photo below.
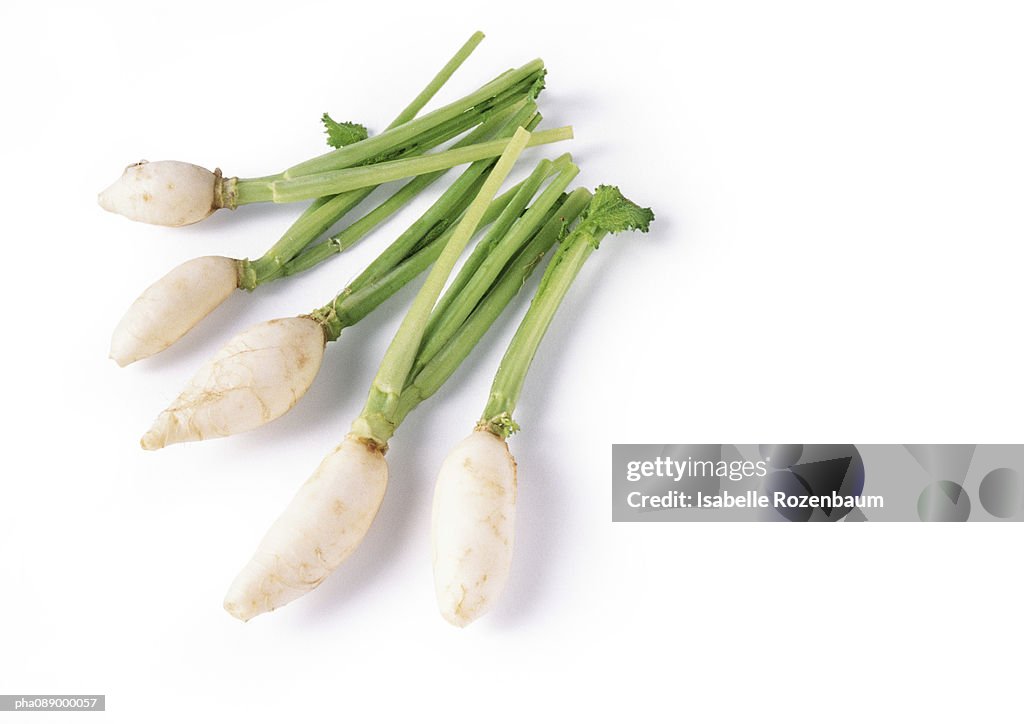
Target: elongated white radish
(256, 377)
(474, 500)
(167, 193)
(319, 529)
(171, 306)
(473, 526)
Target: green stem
(443, 76)
(508, 382)
(448, 130)
(323, 213)
(445, 211)
(356, 301)
(383, 278)
(332, 182)
(461, 299)
(350, 235)
(523, 78)
(326, 211)
(502, 124)
(375, 424)
(487, 243)
(434, 371)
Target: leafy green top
(611, 212)
(608, 212)
(343, 134)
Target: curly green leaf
(611, 212)
(343, 134)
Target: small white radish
(473, 526)
(475, 496)
(171, 306)
(255, 378)
(324, 523)
(168, 193)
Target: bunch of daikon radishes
(263, 371)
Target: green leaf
(343, 134)
(612, 212)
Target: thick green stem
(508, 382)
(426, 140)
(490, 240)
(523, 78)
(323, 213)
(333, 182)
(356, 301)
(326, 211)
(372, 287)
(461, 300)
(435, 370)
(500, 124)
(442, 213)
(376, 423)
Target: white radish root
(171, 306)
(320, 528)
(473, 526)
(256, 377)
(168, 193)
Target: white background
(836, 258)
